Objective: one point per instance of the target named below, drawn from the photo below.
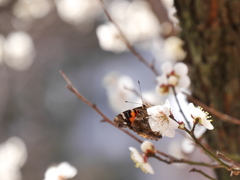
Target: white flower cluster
(172, 76)
(141, 160)
(161, 119)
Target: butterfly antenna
(140, 92)
(131, 102)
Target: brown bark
(211, 31)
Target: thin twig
(180, 108)
(222, 116)
(172, 160)
(201, 172)
(194, 126)
(126, 41)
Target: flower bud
(181, 125)
(148, 147)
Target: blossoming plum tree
(172, 80)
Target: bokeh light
(19, 50)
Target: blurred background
(42, 123)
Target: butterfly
(136, 119)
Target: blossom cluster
(141, 159)
(162, 120)
(172, 76)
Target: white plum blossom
(173, 76)
(63, 171)
(141, 161)
(200, 116)
(160, 120)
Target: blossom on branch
(173, 76)
(160, 119)
(199, 116)
(141, 161)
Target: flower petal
(208, 125)
(184, 82)
(180, 69)
(167, 104)
(162, 79)
(135, 155)
(147, 168)
(167, 67)
(168, 132)
(173, 123)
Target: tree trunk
(211, 31)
